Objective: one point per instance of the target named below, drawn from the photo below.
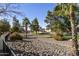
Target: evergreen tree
(26, 22)
(4, 26)
(35, 25)
(16, 25)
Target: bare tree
(9, 9)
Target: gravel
(39, 47)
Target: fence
(6, 50)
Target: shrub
(67, 37)
(15, 36)
(14, 29)
(57, 36)
(44, 33)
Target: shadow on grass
(65, 39)
(29, 37)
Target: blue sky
(32, 10)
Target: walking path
(41, 46)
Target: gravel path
(41, 47)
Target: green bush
(14, 29)
(66, 36)
(15, 36)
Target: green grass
(69, 36)
(48, 35)
(78, 36)
(66, 37)
(43, 35)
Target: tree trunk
(26, 30)
(74, 38)
(73, 30)
(36, 32)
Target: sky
(35, 10)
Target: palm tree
(26, 22)
(69, 11)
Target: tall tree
(63, 22)
(4, 26)
(16, 25)
(70, 11)
(49, 20)
(8, 9)
(35, 25)
(26, 22)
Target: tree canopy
(4, 26)
(35, 25)
(16, 25)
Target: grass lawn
(78, 36)
(48, 35)
(69, 37)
